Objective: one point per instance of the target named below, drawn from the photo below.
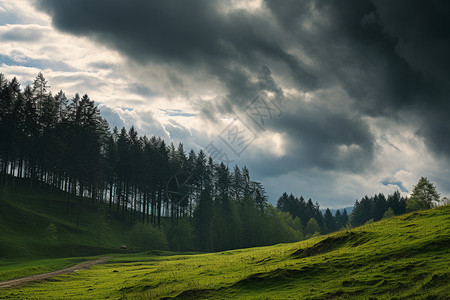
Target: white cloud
(23, 11)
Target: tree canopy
(423, 196)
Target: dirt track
(85, 265)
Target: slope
(403, 257)
(48, 225)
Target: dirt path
(85, 265)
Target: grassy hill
(403, 257)
(45, 225)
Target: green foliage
(423, 196)
(181, 237)
(312, 227)
(341, 219)
(65, 144)
(300, 208)
(51, 232)
(147, 237)
(388, 214)
(294, 223)
(371, 221)
(279, 229)
(316, 234)
(330, 221)
(375, 207)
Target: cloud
(194, 35)
(20, 12)
(112, 115)
(365, 83)
(357, 45)
(395, 182)
(21, 33)
(18, 59)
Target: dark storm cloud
(390, 58)
(422, 32)
(406, 63)
(317, 137)
(350, 47)
(194, 34)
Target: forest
(64, 144)
(191, 201)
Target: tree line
(369, 209)
(64, 144)
(310, 217)
(423, 196)
(193, 202)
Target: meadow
(403, 257)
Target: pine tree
(344, 218)
(330, 222)
(397, 203)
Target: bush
(51, 232)
(181, 237)
(388, 213)
(312, 227)
(147, 237)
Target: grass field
(403, 257)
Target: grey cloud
(389, 57)
(22, 34)
(101, 65)
(318, 137)
(194, 34)
(141, 90)
(177, 131)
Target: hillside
(403, 257)
(48, 225)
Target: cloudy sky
(327, 99)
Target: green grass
(25, 218)
(403, 257)
(21, 268)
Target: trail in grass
(85, 265)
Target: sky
(332, 100)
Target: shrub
(181, 237)
(147, 237)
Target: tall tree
(330, 222)
(423, 196)
(397, 203)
